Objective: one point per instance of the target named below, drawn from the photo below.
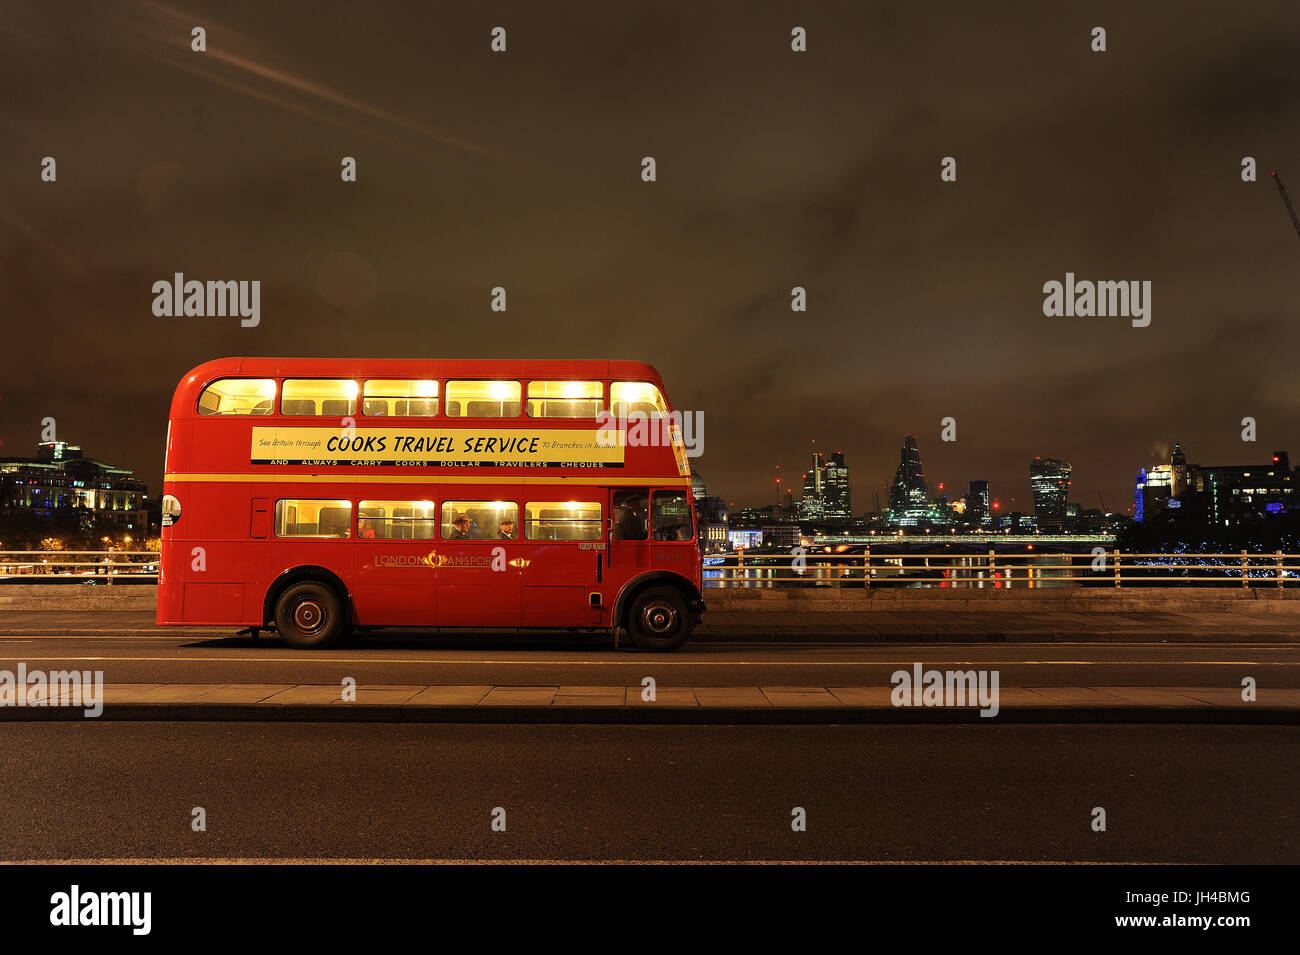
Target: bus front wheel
(309, 615)
(658, 619)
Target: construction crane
(1287, 199)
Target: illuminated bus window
(398, 398)
(297, 518)
(480, 520)
(238, 396)
(635, 397)
(318, 396)
(671, 516)
(483, 399)
(562, 521)
(396, 520)
(564, 399)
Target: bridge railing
(74, 566)
(1002, 569)
(995, 569)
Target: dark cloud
(775, 170)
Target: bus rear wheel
(658, 619)
(309, 615)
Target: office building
(1049, 480)
(61, 481)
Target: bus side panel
(394, 583)
(171, 592)
(214, 573)
(556, 581)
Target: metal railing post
(1278, 556)
(866, 568)
(993, 568)
(1245, 578)
(1114, 555)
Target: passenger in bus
(629, 517)
(506, 529)
(460, 528)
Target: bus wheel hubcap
(659, 618)
(308, 616)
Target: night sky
(775, 169)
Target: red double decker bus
(321, 496)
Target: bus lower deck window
(562, 521)
(670, 516)
(479, 520)
(302, 518)
(396, 520)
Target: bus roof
(486, 368)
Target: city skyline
(1019, 498)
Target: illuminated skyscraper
(909, 497)
(978, 503)
(835, 489)
(1049, 479)
(810, 505)
(826, 490)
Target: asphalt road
(504, 660)
(363, 791)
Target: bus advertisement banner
(435, 447)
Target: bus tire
(309, 615)
(658, 619)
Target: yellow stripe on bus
(423, 479)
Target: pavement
(668, 704)
(208, 674)
(784, 625)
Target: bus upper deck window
(330, 397)
(400, 398)
(635, 397)
(238, 396)
(564, 399)
(483, 399)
